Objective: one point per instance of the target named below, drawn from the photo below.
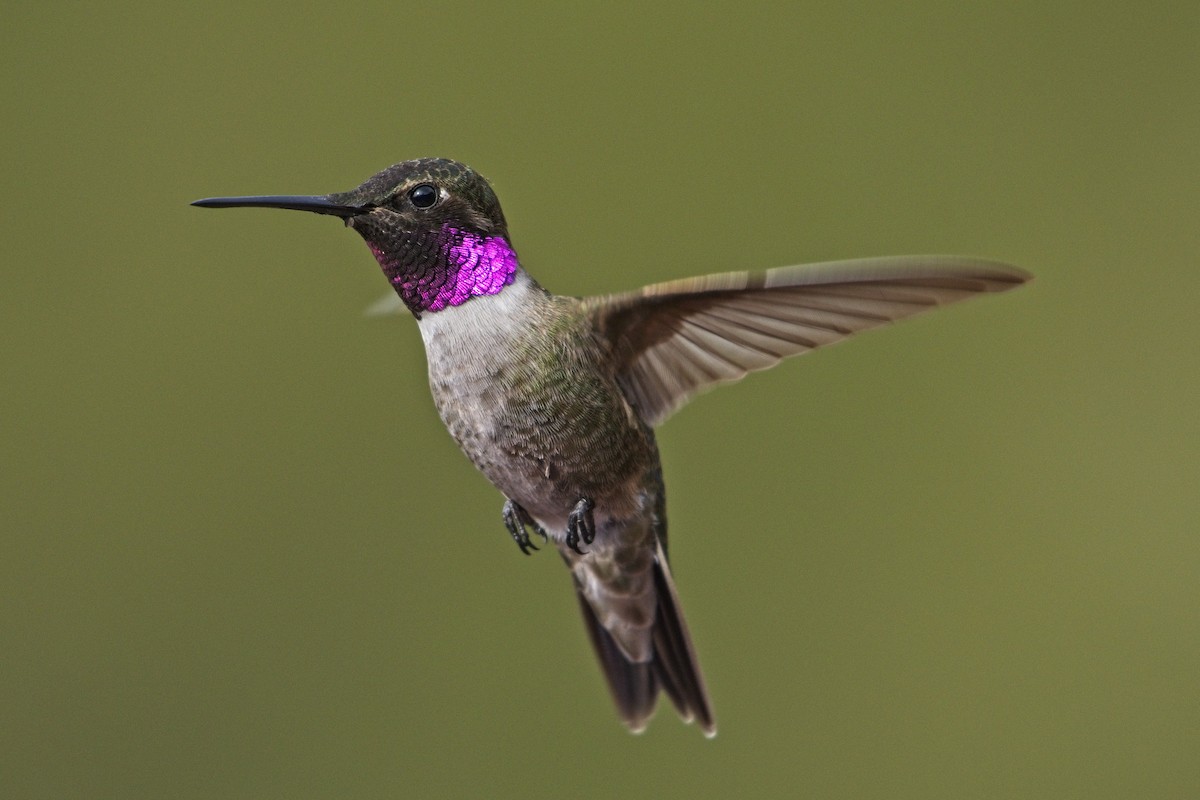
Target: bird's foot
(581, 525)
(516, 519)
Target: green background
(241, 558)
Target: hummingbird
(555, 399)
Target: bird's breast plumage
(526, 390)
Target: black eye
(423, 196)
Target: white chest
(473, 351)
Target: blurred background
(241, 558)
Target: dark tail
(673, 668)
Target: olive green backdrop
(957, 558)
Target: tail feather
(673, 668)
(675, 658)
(677, 667)
(633, 686)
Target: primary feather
(674, 340)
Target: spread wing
(674, 340)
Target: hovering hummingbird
(555, 399)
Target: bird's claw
(581, 525)
(515, 520)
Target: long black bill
(317, 205)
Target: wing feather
(674, 340)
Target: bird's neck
(438, 270)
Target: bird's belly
(546, 453)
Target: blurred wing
(674, 340)
(385, 306)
